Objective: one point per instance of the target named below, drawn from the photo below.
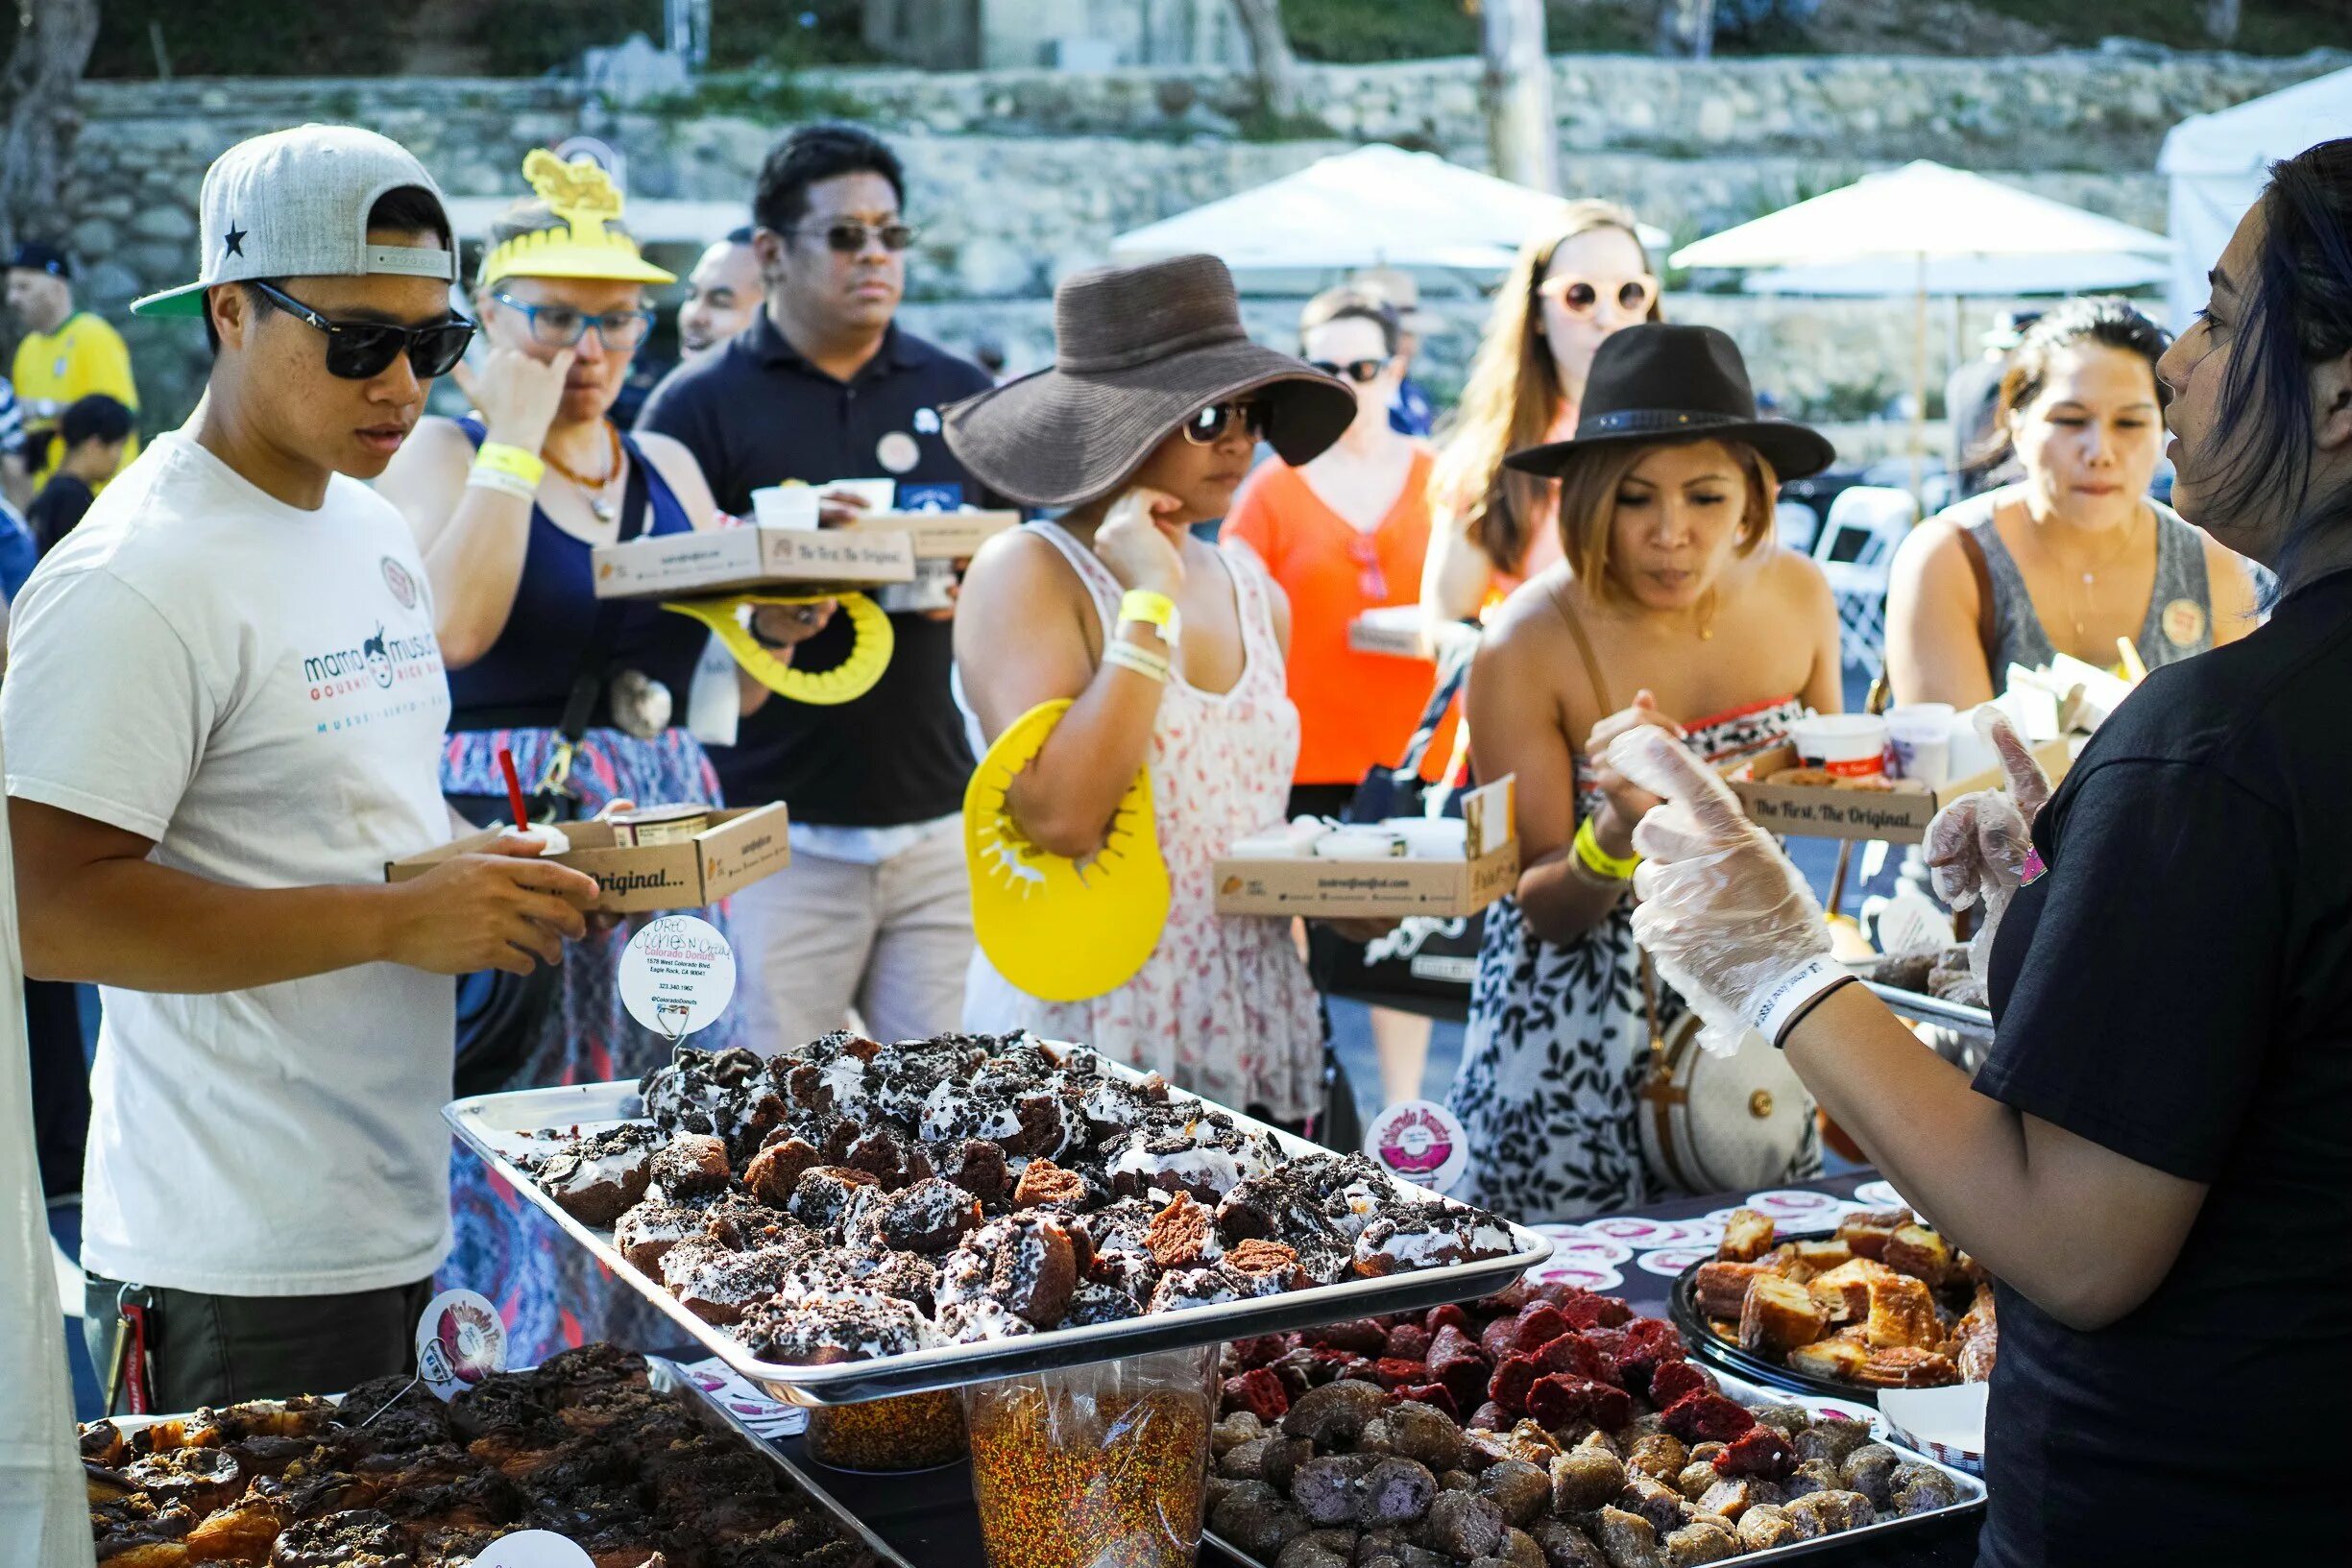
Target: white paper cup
(1432, 838)
(1919, 742)
(783, 506)
(1850, 745)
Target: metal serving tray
(496, 1127)
(1975, 1022)
(1755, 1397)
(669, 1377)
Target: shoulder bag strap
(1453, 671)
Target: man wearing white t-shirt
(223, 714)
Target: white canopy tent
(2217, 164)
(1374, 206)
(1966, 276)
(1921, 217)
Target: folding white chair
(1856, 552)
(1795, 524)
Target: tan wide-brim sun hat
(1138, 352)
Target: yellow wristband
(1598, 860)
(498, 457)
(1153, 610)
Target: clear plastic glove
(1977, 846)
(1724, 915)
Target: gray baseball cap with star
(295, 203)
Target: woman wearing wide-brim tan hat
(1169, 650)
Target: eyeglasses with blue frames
(562, 326)
(357, 351)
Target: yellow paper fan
(871, 645)
(1061, 929)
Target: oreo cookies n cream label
(1422, 1142)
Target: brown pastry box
(937, 536)
(738, 848)
(745, 558)
(1899, 814)
(1318, 887)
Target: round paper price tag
(1420, 1141)
(460, 1340)
(677, 975)
(533, 1548)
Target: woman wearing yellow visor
(589, 695)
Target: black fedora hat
(1137, 351)
(1653, 382)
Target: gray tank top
(2179, 619)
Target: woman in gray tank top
(2077, 559)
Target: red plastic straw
(514, 789)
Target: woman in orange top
(1573, 285)
(1344, 534)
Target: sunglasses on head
(1581, 296)
(356, 351)
(1208, 427)
(848, 237)
(1361, 372)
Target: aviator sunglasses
(849, 237)
(1361, 372)
(356, 351)
(1208, 427)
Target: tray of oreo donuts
(853, 1220)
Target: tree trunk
(1519, 92)
(36, 139)
(1270, 55)
(1686, 26)
(2222, 21)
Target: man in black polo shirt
(875, 911)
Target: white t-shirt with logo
(258, 689)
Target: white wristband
(505, 484)
(1781, 1003)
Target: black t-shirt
(56, 510)
(756, 414)
(2178, 988)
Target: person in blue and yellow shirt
(66, 353)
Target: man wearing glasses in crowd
(223, 714)
(874, 913)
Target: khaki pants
(824, 936)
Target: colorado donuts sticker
(1421, 1141)
(460, 1340)
(677, 975)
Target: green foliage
(249, 38)
(768, 95)
(2264, 27)
(526, 37)
(1355, 32)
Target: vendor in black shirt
(2156, 1161)
(875, 911)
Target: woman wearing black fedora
(1670, 609)
(1170, 650)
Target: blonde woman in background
(1571, 287)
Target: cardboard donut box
(1321, 887)
(746, 559)
(1899, 814)
(740, 847)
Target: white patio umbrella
(1374, 206)
(1922, 214)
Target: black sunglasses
(849, 237)
(1361, 372)
(356, 351)
(1208, 427)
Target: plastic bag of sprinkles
(1101, 1467)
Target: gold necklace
(2078, 595)
(598, 502)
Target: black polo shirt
(2178, 988)
(757, 413)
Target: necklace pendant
(602, 508)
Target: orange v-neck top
(1356, 710)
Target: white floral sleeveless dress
(1223, 1007)
(1559, 1041)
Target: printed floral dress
(1558, 1039)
